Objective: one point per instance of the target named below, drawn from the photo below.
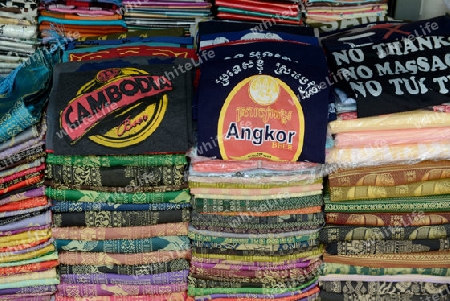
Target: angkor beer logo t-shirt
(263, 101)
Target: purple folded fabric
(28, 298)
(24, 195)
(38, 220)
(88, 290)
(154, 279)
(17, 231)
(29, 290)
(20, 147)
(24, 211)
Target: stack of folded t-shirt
(72, 19)
(263, 11)
(387, 233)
(255, 173)
(117, 139)
(18, 37)
(28, 258)
(340, 14)
(147, 14)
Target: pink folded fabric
(392, 137)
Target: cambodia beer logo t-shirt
(263, 101)
(127, 109)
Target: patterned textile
(266, 291)
(155, 279)
(29, 268)
(162, 297)
(202, 205)
(163, 243)
(30, 193)
(95, 258)
(331, 233)
(29, 290)
(181, 196)
(63, 206)
(128, 188)
(102, 233)
(435, 203)
(119, 218)
(113, 161)
(391, 175)
(388, 219)
(117, 176)
(87, 290)
(326, 296)
(354, 247)
(143, 269)
(432, 187)
(428, 259)
(346, 269)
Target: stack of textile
(72, 19)
(28, 258)
(118, 178)
(341, 14)
(267, 12)
(257, 207)
(163, 14)
(18, 37)
(387, 212)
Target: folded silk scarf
(30, 290)
(24, 155)
(194, 291)
(21, 175)
(387, 246)
(162, 243)
(127, 188)
(29, 268)
(435, 203)
(63, 206)
(119, 218)
(424, 188)
(118, 175)
(23, 194)
(204, 205)
(326, 296)
(136, 232)
(144, 269)
(87, 290)
(426, 259)
(331, 233)
(156, 279)
(114, 161)
(96, 258)
(22, 167)
(181, 196)
(388, 219)
(23, 221)
(163, 297)
(348, 269)
(390, 175)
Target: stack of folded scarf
(73, 19)
(264, 11)
(340, 14)
(257, 206)
(18, 37)
(117, 178)
(28, 258)
(387, 212)
(148, 14)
